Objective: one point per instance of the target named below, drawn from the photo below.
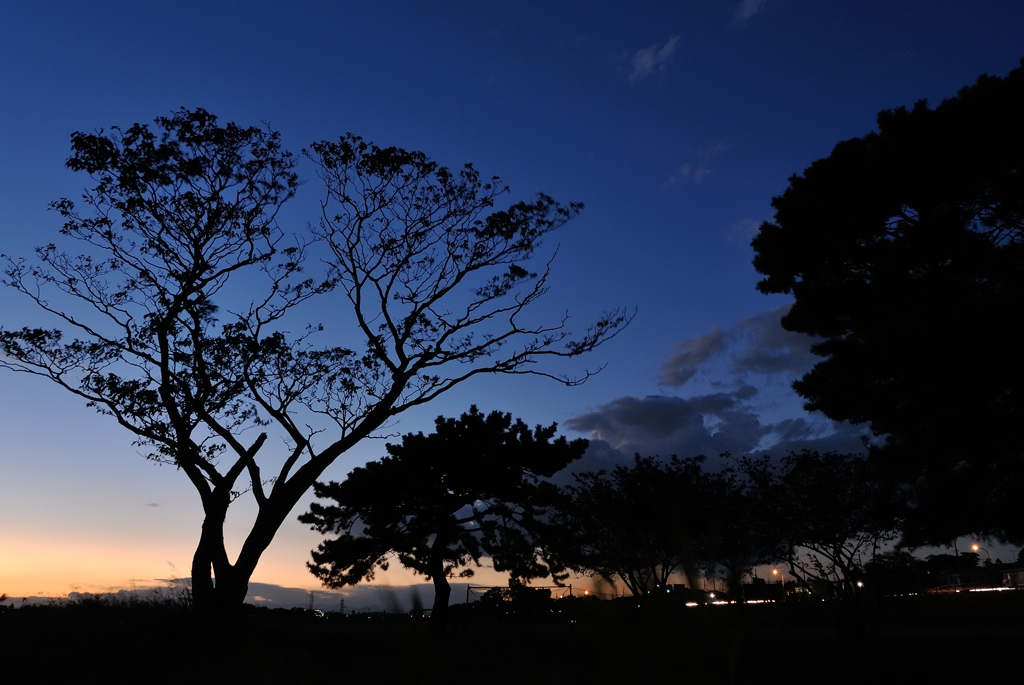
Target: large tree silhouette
(439, 502)
(904, 250)
(180, 303)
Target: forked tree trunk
(218, 585)
(210, 560)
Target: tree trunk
(210, 560)
(218, 585)
(442, 594)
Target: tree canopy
(904, 251)
(742, 527)
(834, 515)
(438, 502)
(179, 304)
(637, 524)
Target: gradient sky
(674, 122)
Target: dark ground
(945, 639)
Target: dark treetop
(439, 502)
(904, 250)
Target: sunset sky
(673, 122)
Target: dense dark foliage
(438, 502)
(904, 251)
(833, 516)
(637, 524)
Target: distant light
(860, 583)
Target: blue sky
(675, 123)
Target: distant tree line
(476, 487)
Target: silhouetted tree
(743, 528)
(904, 250)
(834, 517)
(638, 524)
(439, 502)
(181, 227)
(897, 572)
(517, 597)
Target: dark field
(945, 639)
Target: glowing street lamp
(782, 577)
(975, 547)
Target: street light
(975, 547)
(782, 577)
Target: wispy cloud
(696, 170)
(690, 354)
(746, 9)
(690, 172)
(761, 344)
(646, 60)
(713, 151)
(743, 231)
(737, 416)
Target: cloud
(798, 434)
(688, 171)
(761, 346)
(771, 348)
(361, 598)
(646, 60)
(151, 504)
(663, 425)
(747, 9)
(743, 231)
(394, 599)
(697, 171)
(690, 354)
(742, 420)
(712, 151)
(709, 425)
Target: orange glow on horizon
(56, 568)
(30, 567)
